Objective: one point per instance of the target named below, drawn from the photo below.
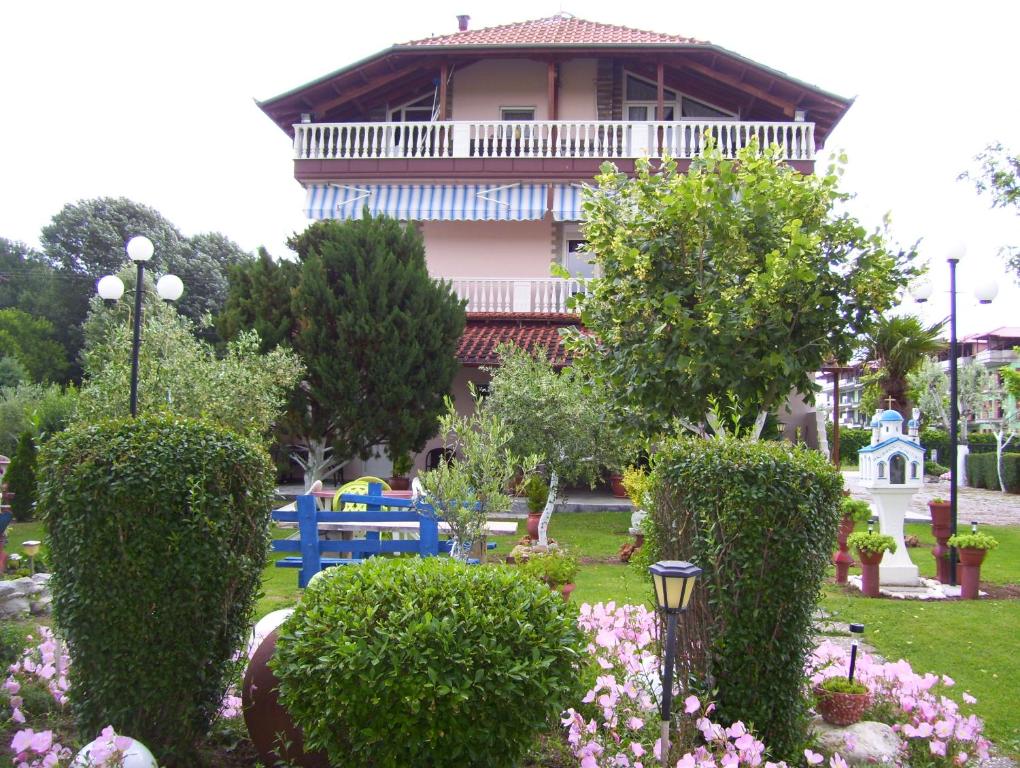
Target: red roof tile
(562, 29)
(486, 331)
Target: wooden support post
(660, 104)
(551, 90)
(444, 74)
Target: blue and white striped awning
(428, 202)
(567, 202)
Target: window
(576, 261)
(420, 110)
(913, 470)
(518, 114)
(641, 99)
(881, 470)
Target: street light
(985, 292)
(674, 585)
(110, 288)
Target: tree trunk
(1000, 449)
(543, 523)
(317, 464)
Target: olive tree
(554, 416)
(730, 283)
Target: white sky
(156, 102)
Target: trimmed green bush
(934, 468)
(982, 471)
(21, 478)
(427, 662)
(158, 529)
(760, 519)
(978, 442)
(851, 440)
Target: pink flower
(813, 758)
(42, 741)
(937, 747)
(836, 761)
(21, 741)
(691, 705)
(635, 724)
(969, 699)
(637, 749)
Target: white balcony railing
(989, 357)
(608, 140)
(514, 294)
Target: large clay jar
(275, 736)
(970, 571)
(869, 571)
(534, 518)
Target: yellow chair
(359, 487)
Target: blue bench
(373, 508)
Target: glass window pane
(518, 114)
(692, 108)
(637, 113)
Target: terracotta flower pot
(533, 518)
(940, 513)
(842, 559)
(566, 590)
(841, 708)
(970, 571)
(869, 572)
(400, 483)
(616, 486)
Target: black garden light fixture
(855, 631)
(110, 288)
(674, 585)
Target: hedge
(760, 519)
(422, 662)
(851, 440)
(158, 532)
(982, 471)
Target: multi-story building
(995, 350)
(485, 137)
(850, 389)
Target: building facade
(485, 138)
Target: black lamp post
(984, 293)
(674, 585)
(110, 288)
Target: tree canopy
(900, 345)
(730, 283)
(378, 336)
(929, 389)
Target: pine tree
(20, 478)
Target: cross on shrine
(890, 400)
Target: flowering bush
(936, 734)
(617, 722)
(36, 689)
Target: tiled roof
(561, 29)
(486, 331)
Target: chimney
(462, 22)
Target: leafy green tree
(554, 416)
(21, 478)
(31, 341)
(259, 298)
(731, 283)
(41, 410)
(202, 262)
(929, 389)
(178, 373)
(998, 175)
(900, 345)
(12, 372)
(378, 336)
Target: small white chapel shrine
(892, 469)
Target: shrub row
(979, 442)
(158, 529)
(752, 515)
(982, 471)
(851, 440)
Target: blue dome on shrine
(890, 415)
(913, 424)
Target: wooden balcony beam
(361, 90)
(785, 105)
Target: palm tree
(899, 345)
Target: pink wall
(488, 248)
(577, 90)
(462, 401)
(481, 89)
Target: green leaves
(760, 519)
(737, 278)
(423, 662)
(158, 531)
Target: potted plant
(616, 486)
(536, 494)
(854, 511)
(972, 548)
(555, 566)
(870, 548)
(402, 466)
(638, 484)
(840, 701)
(941, 530)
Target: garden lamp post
(31, 549)
(674, 584)
(985, 293)
(855, 630)
(111, 288)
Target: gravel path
(988, 507)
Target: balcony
(547, 139)
(995, 357)
(540, 295)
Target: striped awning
(567, 200)
(428, 202)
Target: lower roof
(485, 331)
